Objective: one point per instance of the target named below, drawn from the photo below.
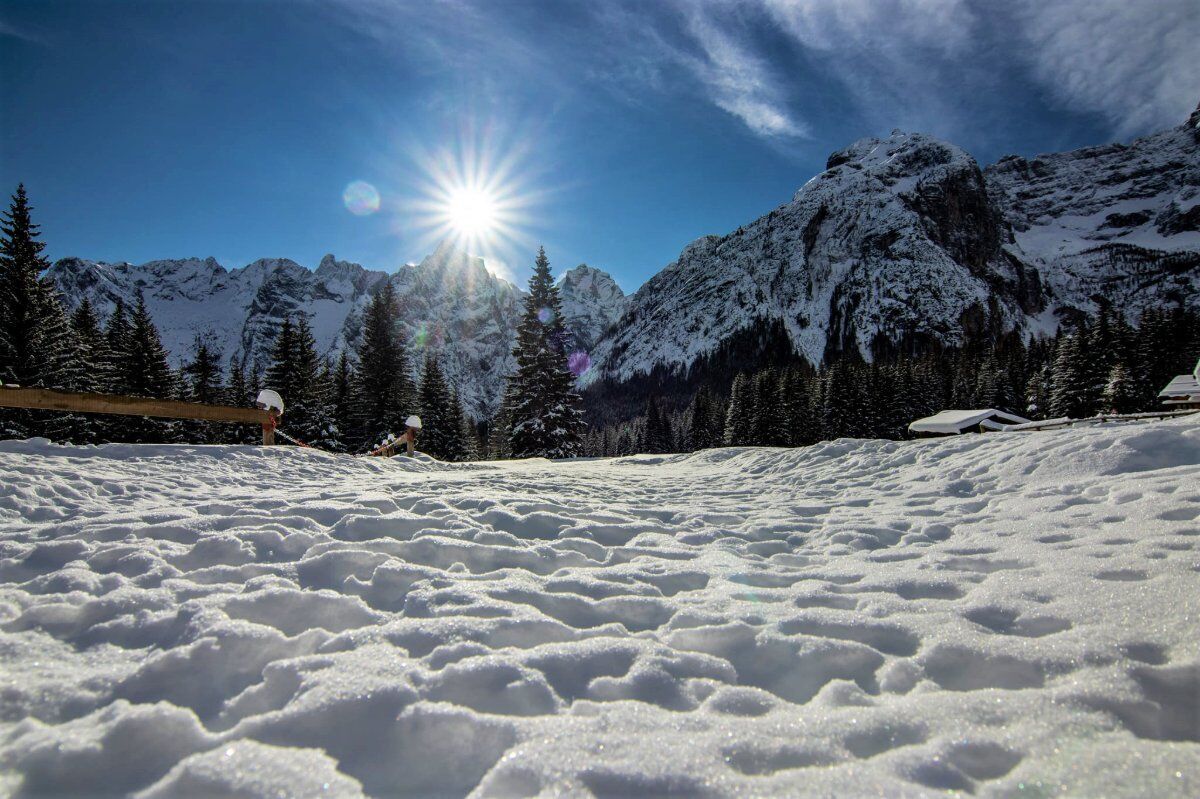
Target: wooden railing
(44, 399)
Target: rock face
(592, 302)
(449, 304)
(903, 241)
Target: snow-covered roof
(1183, 388)
(949, 422)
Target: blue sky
(617, 132)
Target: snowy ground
(1002, 614)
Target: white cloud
(738, 80)
(1137, 63)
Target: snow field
(1001, 614)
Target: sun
(482, 193)
(472, 212)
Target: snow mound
(991, 614)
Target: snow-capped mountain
(905, 240)
(449, 303)
(592, 302)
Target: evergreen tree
(739, 417)
(382, 383)
(1071, 392)
(295, 372)
(658, 431)
(238, 395)
(341, 403)
(38, 345)
(500, 429)
(143, 371)
(92, 346)
(440, 429)
(1120, 391)
(547, 418)
(202, 382)
(467, 445)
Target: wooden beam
(44, 399)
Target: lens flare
(579, 362)
(545, 315)
(477, 194)
(361, 198)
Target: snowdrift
(999, 614)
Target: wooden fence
(44, 399)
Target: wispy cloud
(1136, 63)
(738, 80)
(919, 64)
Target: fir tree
(467, 445)
(547, 418)
(295, 373)
(93, 354)
(500, 428)
(1072, 388)
(143, 371)
(739, 418)
(440, 429)
(658, 431)
(1120, 391)
(202, 382)
(38, 346)
(341, 403)
(382, 383)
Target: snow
(958, 421)
(1000, 614)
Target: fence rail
(44, 399)
(1052, 424)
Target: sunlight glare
(471, 211)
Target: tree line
(350, 402)
(347, 403)
(1094, 364)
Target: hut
(1183, 391)
(949, 423)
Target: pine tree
(38, 345)
(341, 403)
(144, 372)
(466, 447)
(238, 395)
(658, 432)
(739, 418)
(500, 429)
(1120, 391)
(92, 347)
(384, 389)
(295, 373)
(440, 430)
(202, 382)
(547, 417)
(1070, 394)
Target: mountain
(592, 302)
(449, 303)
(904, 242)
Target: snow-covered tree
(739, 415)
(547, 417)
(1121, 393)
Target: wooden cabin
(949, 423)
(1183, 392)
